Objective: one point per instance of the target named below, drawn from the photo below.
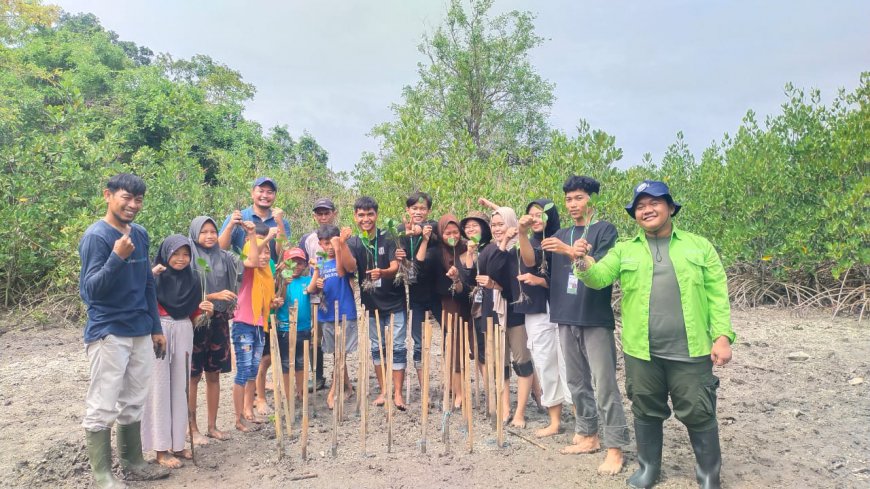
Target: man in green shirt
(676, 324)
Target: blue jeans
(248, 344)
(418, 314)
(399, 334)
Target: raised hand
(124, 247)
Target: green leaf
(548, 207)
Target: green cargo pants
(691, 385)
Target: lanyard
(411, 239)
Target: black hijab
(552, 224)
(178, 291)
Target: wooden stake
(475, 370)
(460, 360)
(390, 386)
(500, 350)
(443, 336)
(490, 371)
(381, 346)
(190, 414)
(336, 372)
(409, 347)
(342, 350)
(307, 375)
(291, 389)
(469, 411)
(315, 343)
(277, 377)
(427, 342)
(363, 379)
(448, 372)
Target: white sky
(639, 70)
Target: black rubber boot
(133, 465)
(100, 455)
(649, 453)
(708, 457)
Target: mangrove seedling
(453, 242)
(368, 285)
(523, 298)
(202, 269)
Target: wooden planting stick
(291, 389)
(448, 372)
(470, 411)
(315, 331)
(190, 414)
(336, 372)
(275, 353)
(307, 375)
(490, 371)
(363, 379)
(443, 325)
(390, 386)
(500, 379)
(475, 400)
(409, 347)
(460, 361)
(427, 342)
(342, 367)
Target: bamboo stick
(475, 370)
(307, 375)
(291, 389)
(341, 346)
(490, 371)
(500, 376)
(469, 411)
(460, 361)
(190, 414)
(390, 385)
(275, 353)
(315, 343)
(409, 347)
(448, 372)
(381, 346)
(443, 325)
(427, 342)
(363, 379)
(336, 372)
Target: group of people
(152, 325)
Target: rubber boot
(100, 455)
(649, 453)
(708, 457)
(133, 465)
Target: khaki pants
(120, 374)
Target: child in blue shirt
(295, 295)
(335, 285)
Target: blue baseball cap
(653, 188)
(265, 181)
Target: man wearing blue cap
(676, 324)
(263, 195)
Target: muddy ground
(784, 423)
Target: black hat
(324, 204)
(653, 188)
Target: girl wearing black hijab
(179, 299)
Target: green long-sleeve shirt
(703, 290)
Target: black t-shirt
(588, 307)
(536, 296)
(423, 287)
(494, 262)
(387, 297)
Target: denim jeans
(399, 334)
(418, 314)
(248, 344)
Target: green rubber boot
(100, 455)
(649, 454)
(133, 465)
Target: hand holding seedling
(427, 232)
(374, 274)
(319, 283)
(530, 279)
(159, 342)
(555, 245)
(472, 246)
(453, 273)
(224, 295)
(400, 254)
(485, 281)
(249, 226)
(581, 248)
(526, 223)
(124, 247)
(236, 218)
(158, 269)
(272, 233)
(207, 307)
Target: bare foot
(549, 430)
(399, 402)
(246, 428)
(252, 418)
(582, 444)
(217, 435)
(168, 460)
(380, 401)
(518, 423)
(262, 408)
(330, 399)
(198, 439)
(613, 462)
(186, 454)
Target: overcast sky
(639, 70)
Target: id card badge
(572, 284)
(478, 296)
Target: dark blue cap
(653, 188)
(265, 181)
